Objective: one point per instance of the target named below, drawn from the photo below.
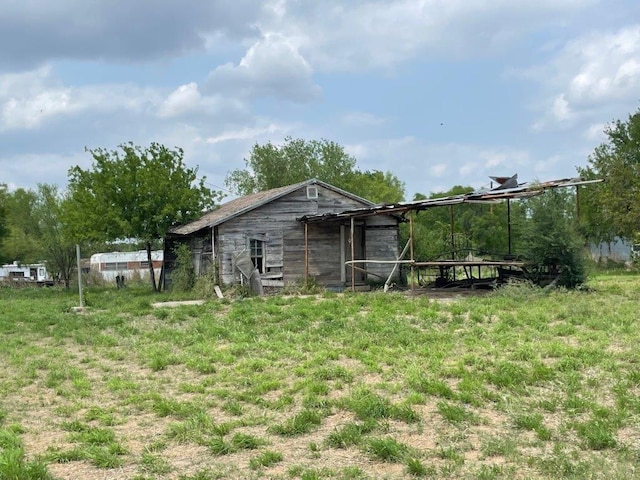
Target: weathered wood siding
(381, 238)
(323, 242)
(233, 237)
(276, 224)
(382, 244)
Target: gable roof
(244, 204)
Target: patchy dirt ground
(43, 412)
(143, 393)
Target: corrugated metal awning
(495, 195)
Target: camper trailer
(32, 273)
(125, 264)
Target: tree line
(132, 194)
(136, 193)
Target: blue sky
(439, 92)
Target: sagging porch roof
(509, 189)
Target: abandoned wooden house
(270, 228)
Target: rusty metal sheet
(495, 195)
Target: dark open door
(358, 251)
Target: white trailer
(28, 273)
(125, 264)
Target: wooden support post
(343, 254)
(509, 224)
(453, 238)
(217, 266)
(162, 271)
(353, 254)
(395, 267)
(306, 254)
(79, 276)
(411, 251)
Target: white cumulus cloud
(591, 78)
(361, 34)
(184, 99)
(272, 66)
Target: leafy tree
(21, 241)
(270, 166)
(37, 232)
(613, 208)
(478, 228)
(543, 231)
(184, 276)
(593, 222)
(136, 193)
(4, 194)
(551, 241)
(432, 227)
(375, 186)
(56, 244)
(489, 228)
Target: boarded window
(312, 192)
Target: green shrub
(203, 285)
(551, 242)
(183, 276)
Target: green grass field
(517, 384)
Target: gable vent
(312, 192)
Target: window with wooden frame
(257, 251)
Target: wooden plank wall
(285, 248)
